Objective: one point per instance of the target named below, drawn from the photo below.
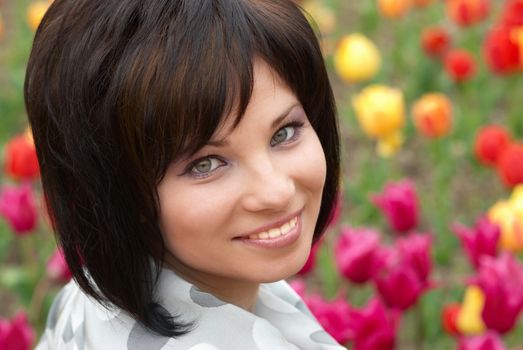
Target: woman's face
(244, 207)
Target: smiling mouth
(275, 232)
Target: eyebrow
(223, 142)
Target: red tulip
(501, 50)
(491, 141)
(397, 282)
(501, 280)
(374, 327)
(399, 204)
(435, 41)
(449, 315)
(355, 254)
(487, 341)
(482, 240)
(21, 160)
(513, 13)
(16, 334)
(17, 206)
(510, 167)
(460, 65)
(467, 12)
(57, 268)
(333, 316)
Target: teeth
(276, 232)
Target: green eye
(282, 135)
(205, 166)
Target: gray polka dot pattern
(280, 321)
(140, 339)
(205, 299)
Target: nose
(268, 187)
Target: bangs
(199, 71)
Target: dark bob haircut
(116, 90)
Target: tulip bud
(482, 240)
(17, 206)
(399, 203)
(20, 158)
(374, 327)
(380, 110)
(356, 59)
(511, 223)
(432, 115)
(509, 165)
(435, 41)
(501, 50)
(449, 317)
(17, 333)
(393, 8)
(355, 254)
(469, 317)
(333, 316)
(57, 268)
(36, 12)
(488, 341)
(491, 141)
(467, 12)
(460, 65)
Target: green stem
(420, 326)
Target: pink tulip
(333, 316)
(487, 341)
(373, 327)
(355, 253)
(415, 252)
(501, 280)
(57, 268)
(299, 287)
(311, 260)
(399, 204)
(335, 214)
(17, 206)
(16, 334)
(482, 240)
(398, 282)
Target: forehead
(271, 100)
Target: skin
(262, 171)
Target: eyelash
(297, 125)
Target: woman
(189, 157)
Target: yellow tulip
(510, 221)
(469, 321)
(388, 146)
(35, 13)
(356, 58)
(516, 199)
(380, 111)
(323, 16)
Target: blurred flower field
(424, 250)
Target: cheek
(311, 167)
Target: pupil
(204, 166)
(281, 135)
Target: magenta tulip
(399, 204)
(17, 206)
(501, 280)
(16, 334)
(311, 260)
(487, 341)
(299, 286)
(355, 253)
(333, 316)
(57, 268)
(414, 250)
(398, 282)
(482, 240)
(373, 327)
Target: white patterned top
(281, 321)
